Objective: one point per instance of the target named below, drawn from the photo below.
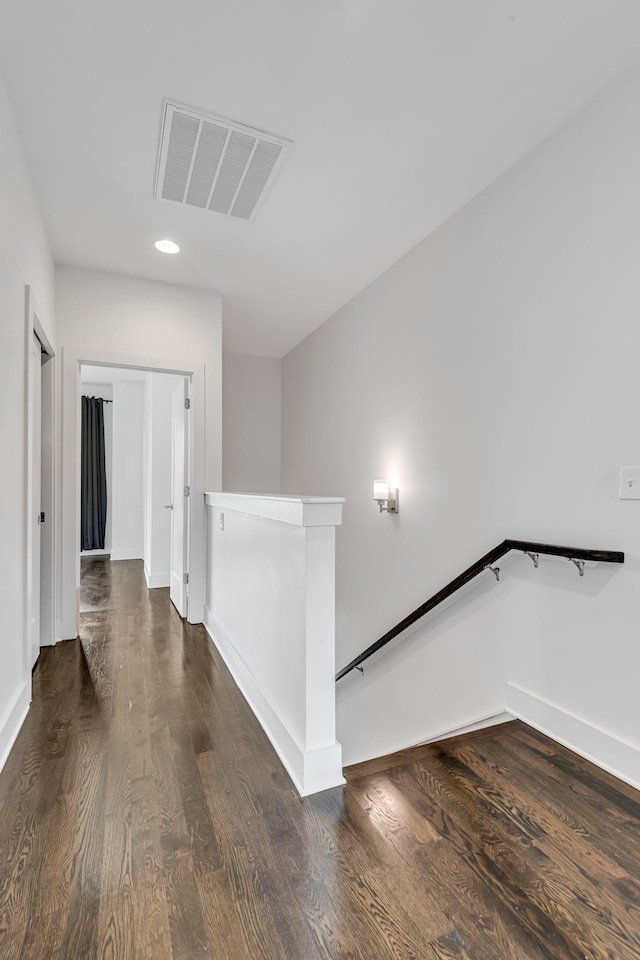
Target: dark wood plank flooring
(144, 815)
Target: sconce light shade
(380, 490)
(386, 497)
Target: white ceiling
(401, 111)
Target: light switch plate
(630, 483)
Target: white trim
(33, 325)
(72, 358)
(49, 500)
(616, 756)
(482, 723)
(299, 511)
(132, 554)
(311, 771)
(464, 726)
(215, 498)
(11, 723)
(155, 580)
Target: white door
(178, 589)
(35, 442)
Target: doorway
(140, 460)
(68, 541)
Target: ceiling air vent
(215, 164)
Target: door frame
(186, 500)
(72, 358)
(34, 325)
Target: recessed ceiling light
(167, 246)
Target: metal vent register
(215, 164)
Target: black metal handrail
(576, 554)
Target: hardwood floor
(145, 815)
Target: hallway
(145, 815)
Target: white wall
(128, 491)
(102, 313)
(159, 389)
(105, 391)
(251, 424)
(270, 609)
(25, 258)
(493, 372)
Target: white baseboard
(311, 771)
(131, 554)
(489, 720)
(65, 631)
(13, 719)
(463, 726)
(155, 580)
(616, 756)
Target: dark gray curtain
(94, 476)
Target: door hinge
(185, 578)
(187, 491)
(42, 517)
(187, 403)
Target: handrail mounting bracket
(579, 564)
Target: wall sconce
(385, 496)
